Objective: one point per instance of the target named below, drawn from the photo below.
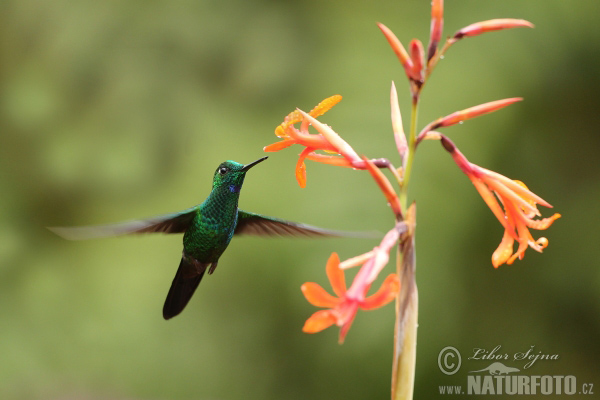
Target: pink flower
(341, 310)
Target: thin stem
(412, 135)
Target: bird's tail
(188, 277)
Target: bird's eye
(223, 170)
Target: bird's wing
(169, 223)
(260, 225)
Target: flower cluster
(342, 309)
(326, 139)
(513, 204)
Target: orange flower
(515, 211)
(291, 136)
(326, 139)
(341, 310)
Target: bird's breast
(208, 237)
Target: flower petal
(325, 106)
(336, 275)
(489, 198)
(386, 293)
(317, 296)
(347, 323)
(331, 160)
(337, 144)
(542, 223)
(278, 145)
(301, 167)
(524, 240)
(517, 186)
(508, 195)
(504, 250)
(318, 321)
(292, 118)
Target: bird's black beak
(253, 163)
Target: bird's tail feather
(188, 277)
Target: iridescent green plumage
(208, 228)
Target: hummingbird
(207, 230)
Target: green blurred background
(112, 110)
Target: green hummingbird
(207, 230)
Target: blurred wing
(169, 223)
(260, 225)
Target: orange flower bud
(417, 54)
(401, 53)
(437, 25)
(473, 112)
(491, 25)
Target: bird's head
(230, 174)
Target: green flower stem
(412, 139)
(405, 332)
(407, 302)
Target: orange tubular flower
(291, 135)
(326, 139)
(341, 310)
(516, 210)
